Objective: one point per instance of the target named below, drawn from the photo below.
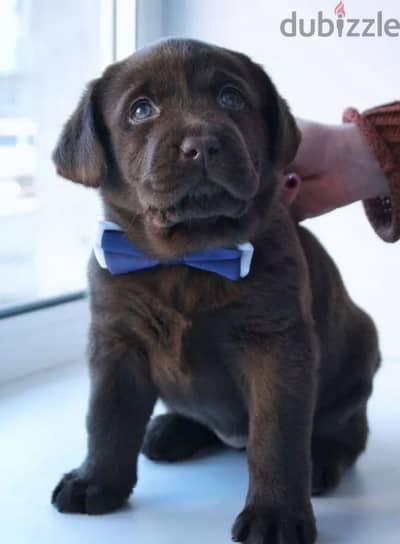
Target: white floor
(42, 435)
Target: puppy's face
(185, 140)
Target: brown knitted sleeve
(381, 127)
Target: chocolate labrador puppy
(185, 142)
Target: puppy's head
(185, 141)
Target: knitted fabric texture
(381, 128)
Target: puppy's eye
(141, 110)
(230, 98)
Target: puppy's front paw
(77, 494)
(257, 524)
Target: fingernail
(292, 181)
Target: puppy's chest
(190, 353)
(177, 313)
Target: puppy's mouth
(206, 203)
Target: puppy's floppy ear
(284, 136)
(79, 154)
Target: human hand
(334, 167)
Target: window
(49, 51)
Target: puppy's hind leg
(172, 437)
(341, 428)
(334, 453)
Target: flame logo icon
(339, 9)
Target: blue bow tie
(118, 255)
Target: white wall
(319, 77)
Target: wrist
(359, 170)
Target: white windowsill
(37, 340)
(42, 436)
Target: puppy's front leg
(280, 381)
(121, 401)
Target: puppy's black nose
(199, 148)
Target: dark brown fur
(282, 358)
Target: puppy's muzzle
(198, 178)
(207, 203)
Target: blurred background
(49, 50)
